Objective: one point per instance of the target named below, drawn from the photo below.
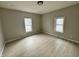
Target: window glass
(28, 24)
(59, 24)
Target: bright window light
(59, 24)
(28, 24)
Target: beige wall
(71, 27)
(13, 24)
(1, 38)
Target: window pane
(59, 28)
(28, 21)
(59, 24)
(59, 20)
(28, 24)
(28, 28)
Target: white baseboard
(13, 39)
(64, 38)
(2, 51)
(18, 37)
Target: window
(28, 24)
(59, 24)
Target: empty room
(39, 28)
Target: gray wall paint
(71, 25)
(1, 38)
(13, 23)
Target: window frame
(56, 24)
(28, 25)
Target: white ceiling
(31, 6)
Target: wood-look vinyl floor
(41, 45)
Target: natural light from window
(59, 24)
(28, 24)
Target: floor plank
(41, 45)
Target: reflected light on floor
(29, 42)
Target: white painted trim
(18, 37)
(13, 39)
(2, 50)
(64, 38)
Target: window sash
(28, 21)
(59, 28)
(59, 24)
(28, 24)
(60, 20)
(28, 28)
